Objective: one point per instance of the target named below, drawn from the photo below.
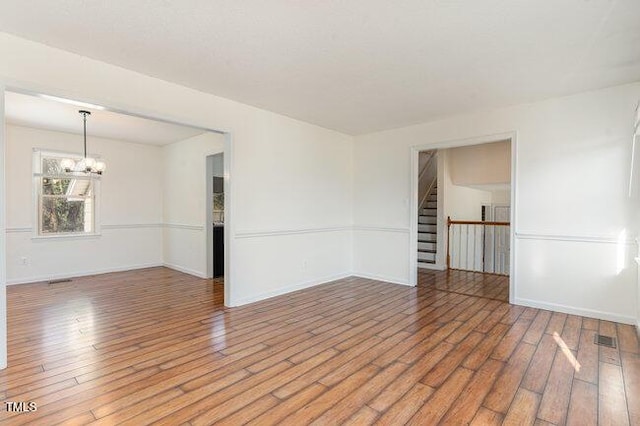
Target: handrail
(428, 167)
(428, 192)
(474, 222)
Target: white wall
(184, 203)
(571, 203)
(287, 178)
(483, 164)
(502, 196)
(464, 203)
(293, 218)
(130, 203)
(470, 173)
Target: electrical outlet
(23, 260)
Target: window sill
(87, 236)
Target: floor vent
(59, 281)
(607, 341)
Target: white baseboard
(381, 278)
(589, 313)
(64, 276)
(193, 272)
(433, 267)
(288, 289)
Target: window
(66, 202)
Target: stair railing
(478, 246)
(427, 179)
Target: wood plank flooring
(157, 346)
(491, 286)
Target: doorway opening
(215, 217)
(462, 216)
(144, 201)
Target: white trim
(184, 226)
(288, 289)
(280, 232)
(381, 229)
(383, 278)
(414, 162)
(229, 208)
(573, 238)
(637, 259)
(132, 225)
(589, 313)
(113, 227)
(16, 230)
(28, 229)
(193, 272)
(513, 210)
(43, 278)
(70, 236)
(433, 267)
(3, 234)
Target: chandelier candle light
(87, 165)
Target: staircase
(427, 229)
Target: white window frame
(38, 155)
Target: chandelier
(87, 165)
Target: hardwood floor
(157, 346)
(491, 286)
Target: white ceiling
(356, 66)
(31, 111)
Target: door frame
(3, 235)
(414, 152)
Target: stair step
(429, 212)
(430, 228)
(424, 256)
(426, 251)
(426, 237)
(427, 227)
(432, 205)
(426, 246)
(432, 197)
(427, 220)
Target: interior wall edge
(572, 310)
(86, 273)
(377, 277)
(189, 271)
(235, 302)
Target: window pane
(52, 186)
(77, 187)
(51, 166)
(60, 214)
